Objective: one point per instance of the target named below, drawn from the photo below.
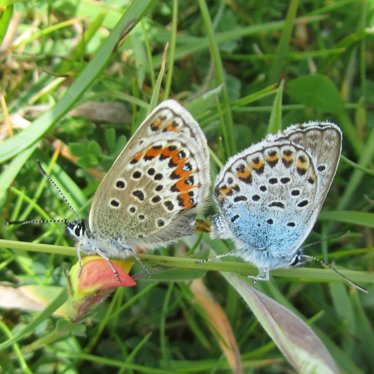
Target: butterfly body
(269, 195)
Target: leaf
(349, 216)
(10, 172)
(78, 149)
(204, 102)
(94, 148)
(110, 138)
(56, 302)
(219, 323)
(121, 142)
(316, 91)
(280, 58)
(170, 275)
(89, 161)
(29, 298)
(275, 121)
(47, 120)
(296, 340)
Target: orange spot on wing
(153, 152)
(184, 200)
(137, 157)
(301, 169)
(156, 124)
(258, 166)
(272, 158)
(182, 186)
(180, 163)
(172, 154)
(222, 192)
(302, 165)
(244, 173)
(180, 171)
(287, 158)
(171, 127)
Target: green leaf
(121, 142)
(94, 148)
(88, 161)
(295, 339)
(46, 121)
(171, 275)
(317, 92)
(39, 318)
(347, 216)
(5, 20)
(8, 175)
(275, 122)
(78, 149)
(280, 58)
(110, 138)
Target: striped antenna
(328, 266)
(60, 194)
(37, 221)
(57, 188)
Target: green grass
(243, 69)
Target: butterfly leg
(263, 275)
(101, 254)
(204, 261)
(79, 261)
(133, 253)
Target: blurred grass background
(76, 78)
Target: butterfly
(269, 195)
(153, 191)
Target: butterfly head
(296, 260)
(77, 229)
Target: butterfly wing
(157, 184)
(270, 194)
(323, 140)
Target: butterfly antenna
(328, 266)
(36, 221)
(57, 188)
(338, 235)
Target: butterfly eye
(296, 260)
(77, 230)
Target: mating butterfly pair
(268, 196)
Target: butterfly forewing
(152, 192)
(324, 141)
